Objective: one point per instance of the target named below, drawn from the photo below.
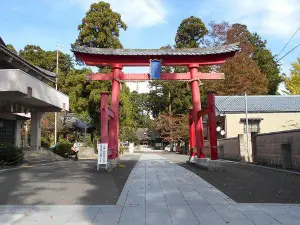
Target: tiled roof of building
(43, 74)
(49, 73)
(159, 52)
(259, 103)
(2, 42)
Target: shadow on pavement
(65, 183)
(248, 184)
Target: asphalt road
(248, 184)
(65, 183)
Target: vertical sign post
(102, 155)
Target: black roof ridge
(42, 72)
(258, 96)
(226, 48)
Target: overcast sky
(151, 23)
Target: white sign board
(102, 154)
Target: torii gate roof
(142, 57)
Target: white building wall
(271, 122)
(19, 81)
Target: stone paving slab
(157, 192)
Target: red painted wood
(140, 60)
(212, 126)
(203, 112)
(187, 76)
(133, 76)
(164, 76)
(192, 132)
(197, 107)
(99, 76)
(104, 117)
(111, 114)
(113, 142)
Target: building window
(7, 131)
(253, 126)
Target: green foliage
(242, 75)
(141, 109)
(11, 48)
(255, 48)
(123, 149)
(173, 127)
(173, 97)
(45, 143)
(190, 32)
(10, 154)
(133, 138)
(63, 148)
(100, 27)
(292, 83)
(267, 63)
(47, 60)
(126, 116)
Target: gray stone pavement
(158, 192)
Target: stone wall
(229, 148)
(87, 153)
(278, 149)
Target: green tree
(141, 109)
(126, 116)
(255, 47)
(190, 32)
(267, 63)
(47, 60)
(292, 83)
(241, 75)
(100, 27)
(175, 97)
(11, 48)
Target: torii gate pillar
(196, 100)
(113, 142)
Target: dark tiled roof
(181, 51)
(50, 74)
(2, 42)
(259, 103)
(142, 133)
(42, 73)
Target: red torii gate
(118, 58)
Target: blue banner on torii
(155, 66)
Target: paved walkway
(158, 192)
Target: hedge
(10, 154)
(63, 149)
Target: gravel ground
(248, 184)
(65, 183)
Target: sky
(151, 23)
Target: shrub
(123, 149)
(10, 154)
(45, 143)
(63, 148)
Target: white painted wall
(272, 122)
(18, 81)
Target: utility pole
(247, 125)
(56, 80)
(170, 107)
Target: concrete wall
(272, 122)
(278, 149)
(229, 148)
(18, 81)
